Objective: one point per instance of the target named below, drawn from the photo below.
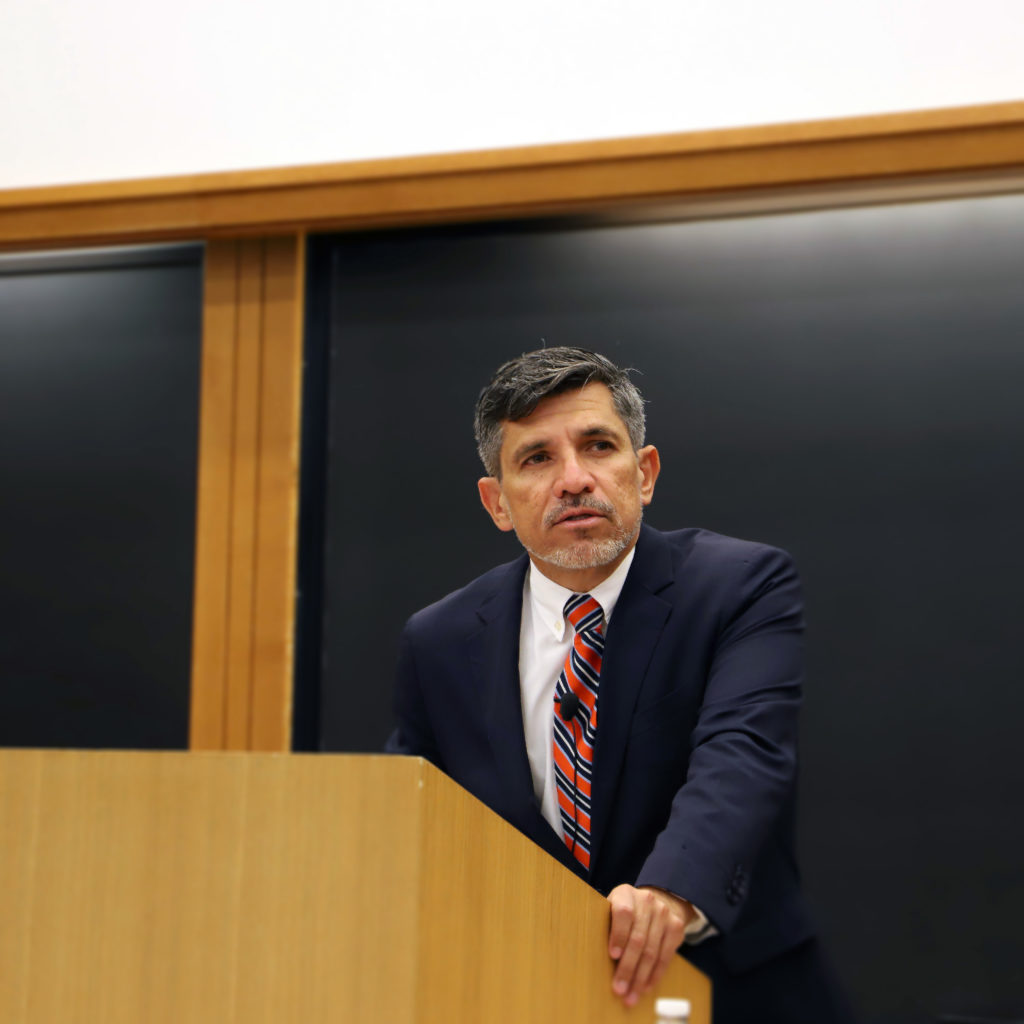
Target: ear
(649, 466)
(494, 501)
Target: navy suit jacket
(695, 760)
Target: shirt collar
(548, 598)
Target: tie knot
(584, 613)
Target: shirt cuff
(699, 927)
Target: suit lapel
(637, 624)
(495, 661)
(494, 658)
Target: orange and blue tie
(576, 722)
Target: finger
(621, 900)
(650, 955)
(622, 982)
(675, 932)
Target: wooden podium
(203, 887)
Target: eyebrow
(535, 446)
(528, 449)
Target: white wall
(126, 88)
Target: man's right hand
(647, 927)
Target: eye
(535, 459)
(602, 446)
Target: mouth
(574, 514)
(579, 517)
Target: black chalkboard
(846, 384)
(99, 403)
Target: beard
(585, 553)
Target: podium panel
(197, 887)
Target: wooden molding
(243, 619)
(954, 145)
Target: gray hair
(520, 384)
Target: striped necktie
(576, 722)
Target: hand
(647, 927)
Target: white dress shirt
(544, 641)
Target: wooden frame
(246, 523)
(252, 343)
(950, 150)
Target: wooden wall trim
(247, 511)
(920, 146)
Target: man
(649, 742)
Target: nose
(573, 478)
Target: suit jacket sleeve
(412, 734)
(742, 764)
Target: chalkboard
(99, 404)
(844, 383)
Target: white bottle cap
(672, 1009)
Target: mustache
(571, 505)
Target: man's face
(572, 487)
